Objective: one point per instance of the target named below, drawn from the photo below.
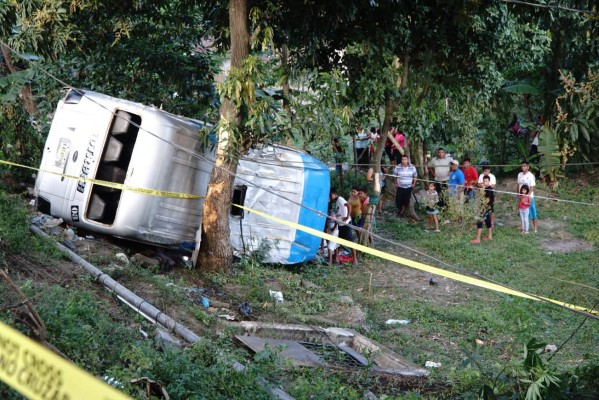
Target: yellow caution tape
(39, 374)
(114, 185)
(423, 267)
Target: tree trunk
(390, 107)
(285, 84)
(216, 253)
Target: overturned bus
(115, 167)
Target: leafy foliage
(578, 113)
(20, 143)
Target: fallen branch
(30, 318)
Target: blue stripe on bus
(315, 195)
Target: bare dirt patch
(559, 239)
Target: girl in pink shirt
(524, 207)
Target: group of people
(452, 183)
(364, 145)
(462, 184)
(343, 216)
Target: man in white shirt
(527, 178)
(343, 212)
(404, 177)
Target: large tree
(216, 252)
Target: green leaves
(11, 85)
(578, 112)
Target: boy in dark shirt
(488, 200)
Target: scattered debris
(479, 342)
(69, 233)
(46, 221)
(397, 322)
(432, 282)
(154, 389)
(186, 262)
(276, 296)
(326, 345)
(122, 258)
(432, 364)
(166, 340)
(113, 382)
(227, 317)
(550, 348)
(144, 260)
(368, 395)
(354, 354)
(205, 302)
(345, 259)
(167, 263)
(245, 309)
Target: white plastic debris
(32, 203)
(276, 296)
(432, 364)
(69, 233)
(550, 348)
(113, 382)
(227, 317)
(397, 321)
(122, 258)
(53, 222)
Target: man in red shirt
(471, 178)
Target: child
(524, 207)
(432, 199)
(488, 200)
(332, 229)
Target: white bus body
(99, 137)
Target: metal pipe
(140, 305)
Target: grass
(446, 319)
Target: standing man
(471, 177)
(342, 211)
(404, 177)
(527, 178)
(456, 181)
(438, 168)
(362, 141)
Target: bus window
(104, 201)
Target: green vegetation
(488, 344)
(448, 73)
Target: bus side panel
(278, 171)
(315, 197)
